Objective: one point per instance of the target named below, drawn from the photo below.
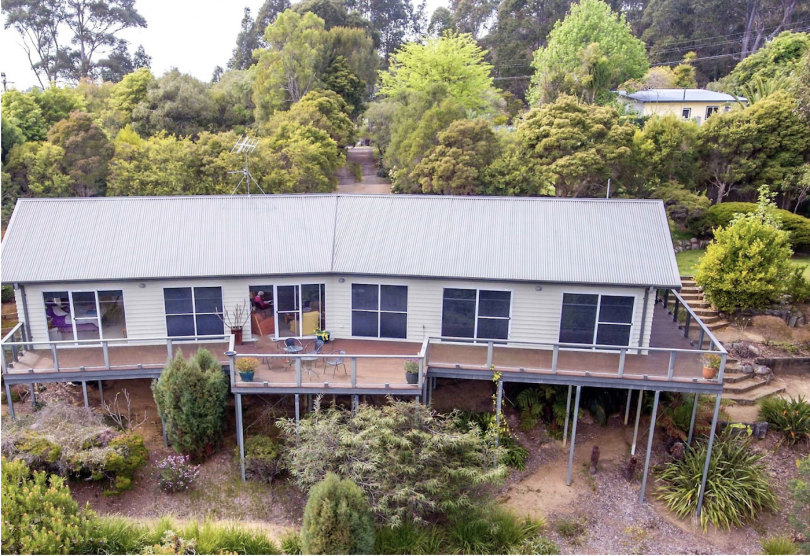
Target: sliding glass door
(85, 315)
(300, 309)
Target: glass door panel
(85, 316)
(312, 308)
(289, 311)
(113, 318)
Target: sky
(194, 36)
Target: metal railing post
(421, 371)
(686, 327)
(554, 357)
(666, 300)
(675, 311)
(170, 348)
(105, 346)
(354, 371)
(700, 339)
(671, 369)
(489, 355)
(3, 360)
(622, 355)
(722, 370)
(55, 357)
(298, 371)
(232, 364)
(14, 356)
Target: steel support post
(498, 402)
(101, 393)
(33, 393)
(567, 416)
(10, 401)
(649, 445)
(573, 437)
(354, 402)
(240, 435)
(638, 416)
(708, 455)
(84, 392)
(692, 422)
(627, 406)
(297, 411)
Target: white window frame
(597, 322)
(715, 110)
(194, 312)
(73, 312)
(477, 299)
(686, 113)
(300, 310)
(379, 311)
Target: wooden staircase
(693, 295)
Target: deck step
(734, 378)
(751, 397)
(740, 387)
(691, 295)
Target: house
(690, 104)
(576, 292)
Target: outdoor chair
(310, 355)
(335, 362)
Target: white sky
(193, 35)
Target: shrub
(720, 216)
(409, 538)
(779, 545)
(74, 441)
(262, 458)
(799, 489)
(246, 364)
(357, 171)
(569, 527)
(39, 514)
(410, 461)
(748, 263)
(514, 454)
(791, 417)
(490, 530)
(337, 519)
(291, 543)
(7, 294)
(176, 474)
(192, 397)
(737, 487)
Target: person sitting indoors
(259, 301)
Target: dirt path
(364, 156)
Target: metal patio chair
(335, 362)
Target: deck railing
(95, 353)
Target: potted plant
(322, 335)
(246, 367)
(412, 371)
(235, 321)
(711, 363)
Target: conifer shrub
(337, 519)
(262, 458)
(192, 398)
(39, 514)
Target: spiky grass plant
(737, 489)
(791, 417)
(777, 545)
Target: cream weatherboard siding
(535, 315)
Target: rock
(762, 370)
(753, 349)
(759, 429)
(800, 321)
(587, 418)
(748, 369)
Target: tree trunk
(751, 16)
(721, 192)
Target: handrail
(703, 326)
(332, 355)
(97, 341)
(575, 347)
(11, 333)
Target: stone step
(717, 325)
(741, 387)
(698, 304)
(688, 283)
(732, 364)
(751, 397)
(710, 319)
(704, 311)
(733, 378)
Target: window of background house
(686, 113)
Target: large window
(379, 311)
(476, 313)
(193, 311)
(596, 319)
(85, 315)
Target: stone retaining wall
(786, 365)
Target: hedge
(720, 215)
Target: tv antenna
(245, 145)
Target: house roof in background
(680, 95)
(593, 241)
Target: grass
(688, 262)
(779, 545)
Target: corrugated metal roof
(680, 95)
(529, 239)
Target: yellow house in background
(690, 104)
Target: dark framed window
(481, 314)
(379, 311)
(193, 311)
(596, 319)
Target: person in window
(259, 302)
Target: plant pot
(411, 378)
(237, 332)
(709, 373)
(246, 376)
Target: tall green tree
(21, 110)
(56, 103)
(577, 146)
(324, 110)
(666, 150)
(778, 59)
(233, 98)
(593, 46)
(87, 152)
(35, 169)
(176, 103)
(454, 60)
(129, 92)
(288, 69)
(392, 22)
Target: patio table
(308, 360)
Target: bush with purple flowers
(176, 474)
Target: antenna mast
(245, 145)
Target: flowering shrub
(177, 474)
(246, 364)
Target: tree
(36, 168)
(440, 21)
(578, 146)
(21, 110)
(457, 164)
(337, 519)
(11, 135)
(299, 159)
(801, 86)
(391, 21)
(362, 61)
(666, 150)
(251, 35)
(191, 398)
(454, 60)
(288, 69)
(747, 265)
(333, 12)
(38, 22)
(177, 103)
(617, 56)
(779, 58)
(119, 62)
(472, 16)
(340, 79)
(323, 110)
(39, 514)
(87, 152)
(56, 103)
(233, 98)
(129, 92)
(410, 461)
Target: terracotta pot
(237, 332)
(709, 373)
